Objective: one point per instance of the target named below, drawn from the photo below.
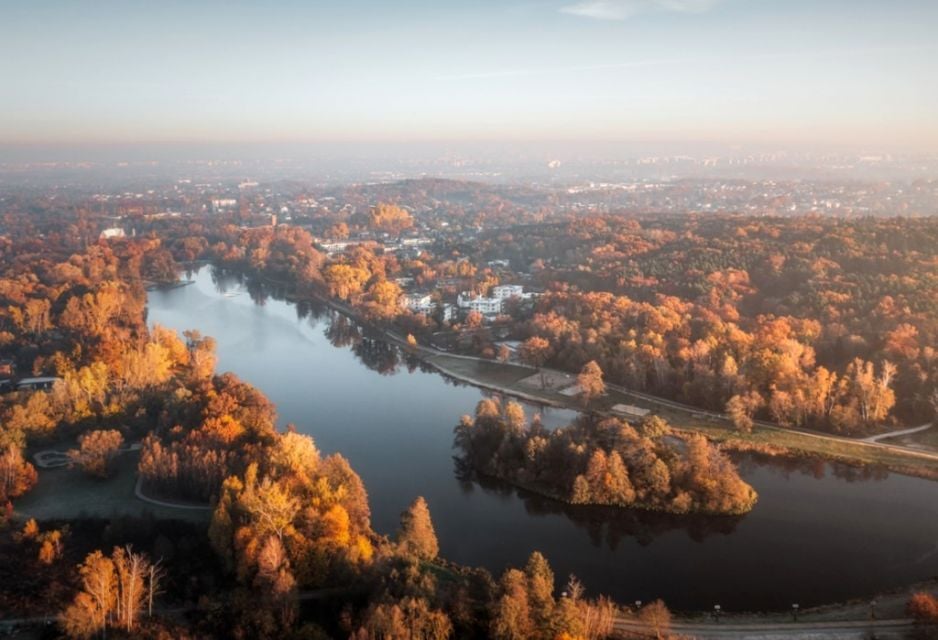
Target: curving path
(896, 434)
(138, 492)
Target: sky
(835, 73)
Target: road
(846, 630)
(818, 630)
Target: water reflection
(788, 466)
(604, 526)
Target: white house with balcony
(505, 291)
(485, 306)
(417, 302)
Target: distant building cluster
(495, 303)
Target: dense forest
(807, 322)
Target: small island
(603, 461)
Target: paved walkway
(54, 459)
(896, 434)
(138, 491)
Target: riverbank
(510, 379)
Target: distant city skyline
(838, 73)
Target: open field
(70, 494)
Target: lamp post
(794, 612)
(638, 605)
(873, 610)
(716, 612)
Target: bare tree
(155, 577)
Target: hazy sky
(734, 71)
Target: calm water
(819, 532)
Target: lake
(820, 532)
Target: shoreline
(714, 426)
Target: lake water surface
(819, 533)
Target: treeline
(684, 351)
(603, 461)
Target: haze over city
(812, 75)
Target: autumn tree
(17, 476)
(114, 591)
(474, 319)
(92, 607)
(416, 536)
(51, 546)
(390, 218)
(275, 580)
(97, 451)
(511, 616)
(657, 618)
(410, 619)
(535, 352)
(590, 383)
(540, 588)
(741, 407)
(923, 607)
(384, 298)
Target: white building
(417, 302)
(486, 306)
(415, 242)
(36, 384)
(112, 232)
(505, 291)
(332, 247)
(219, 204)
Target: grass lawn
(827, 448)
(70, 494)
(493, 373)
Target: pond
(820, 532)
